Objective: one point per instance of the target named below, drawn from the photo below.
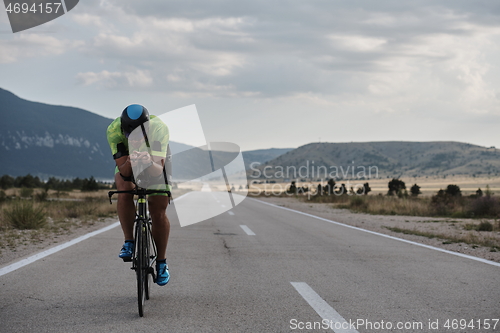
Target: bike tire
(141, 269)
(147, 281)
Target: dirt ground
(18, 244)
(443, 229)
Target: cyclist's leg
(161, 225)
(125, 206)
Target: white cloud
(93, 21)
(357, 43)
(33, 45)
(137, 78)
(169, 51)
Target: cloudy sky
(274, 73)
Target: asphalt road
(280, 272)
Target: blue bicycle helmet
(132, 117)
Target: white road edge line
(335, 321)
(247, 230)
(489, 262)
(43, 254)
(182, 196)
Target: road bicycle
(145, 254)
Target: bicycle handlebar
(139, 191)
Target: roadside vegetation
(33, 215)
(448, 202)
(32, 211)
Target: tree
(396, 186)
(453, 191)
(52, 183)
(342, 190)
(363, 190)
(78, 183)
(28, 181)
(415, 190)
(90, 184)
(292, 188)
(367, 188)
(479, 193)
(6, 182)
(488, 191)
(330, 187)
(319, 190)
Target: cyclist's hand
(140, 157)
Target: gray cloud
(283, 48)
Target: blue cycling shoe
(127, 251)
(162, 275)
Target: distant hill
(44, 139)
(262, 155)
(51, 140)
(390, 159)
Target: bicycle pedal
(127, 259)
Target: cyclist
(156, 133)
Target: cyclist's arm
(159, 147)
(156, 168)
(123, 164)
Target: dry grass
(382, 205)
(59, 217)
(87, 208)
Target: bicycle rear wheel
(142, 266)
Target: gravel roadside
(19, 244)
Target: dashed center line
(230, 212)
(247, 230)
(337, 323)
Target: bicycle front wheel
(142, 264)
(149, 269)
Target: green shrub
(23, 214)
(26, 192)
(41, 196)
(470, 226)
(485, 206)
(485, 226)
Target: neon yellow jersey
(158, 138)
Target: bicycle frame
(145, 252)
(143, 225)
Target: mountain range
(382, 159)
(51, 140)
